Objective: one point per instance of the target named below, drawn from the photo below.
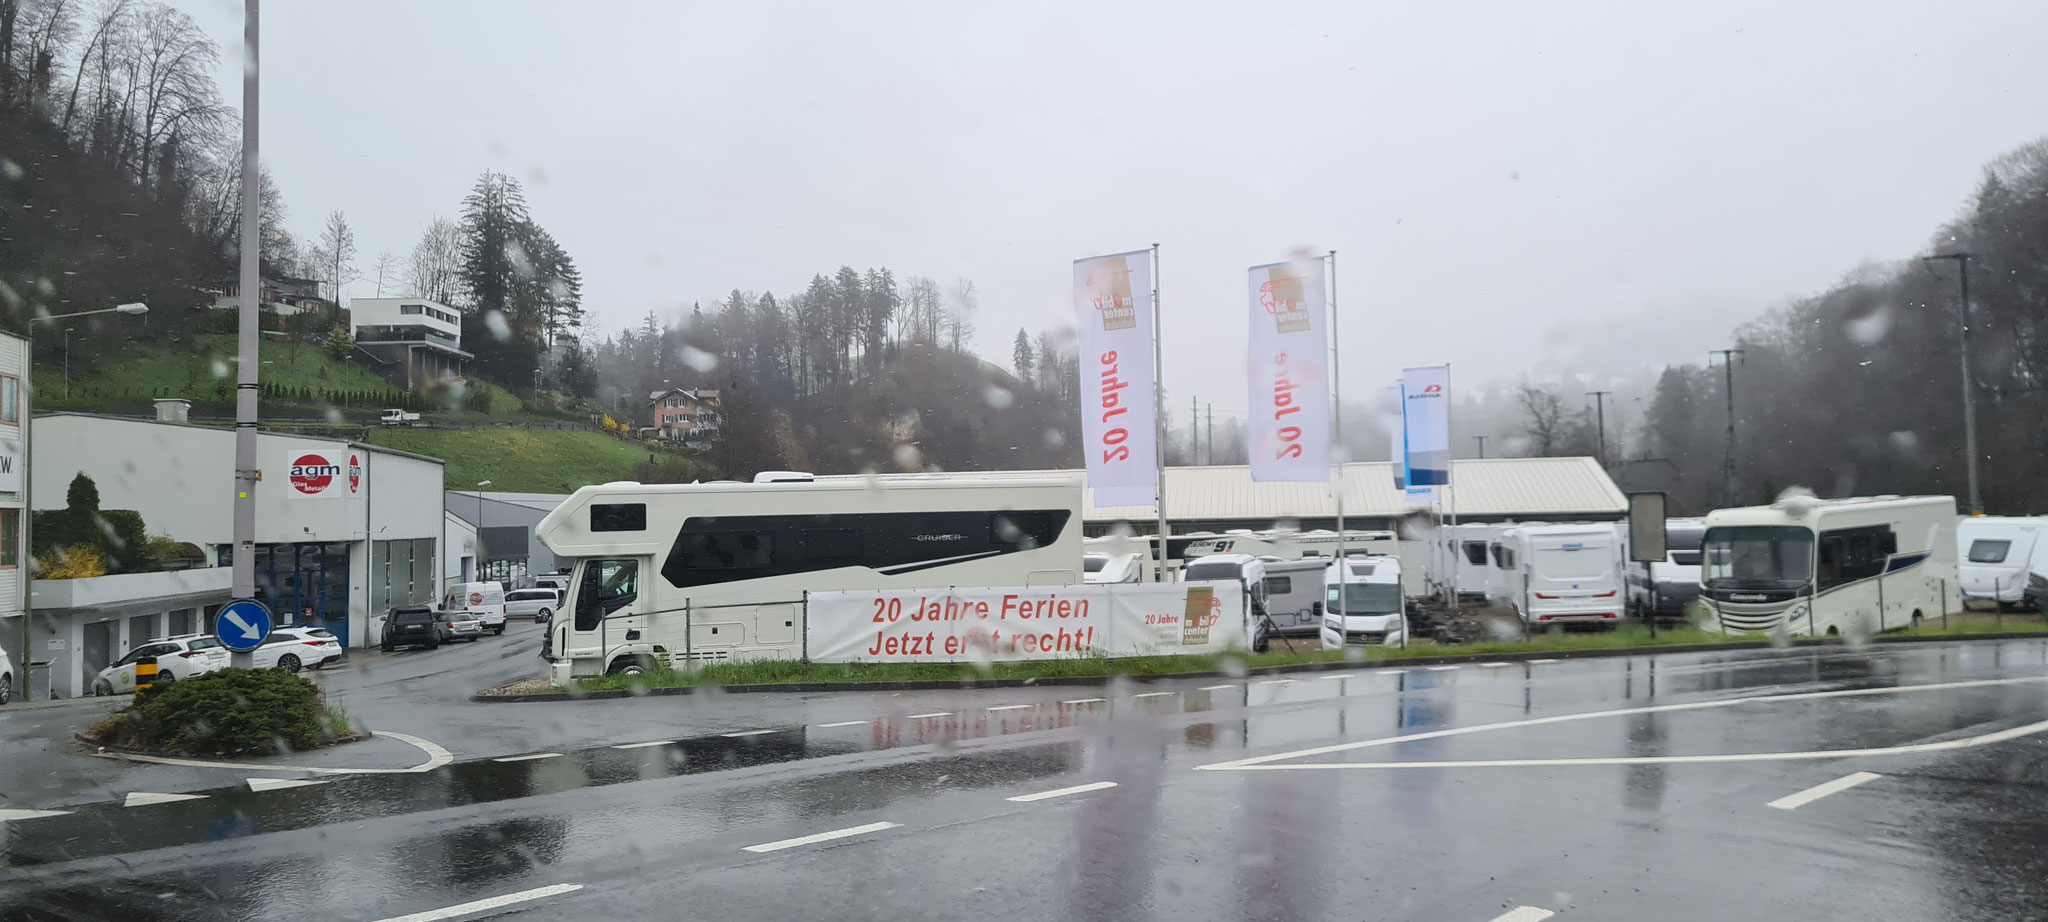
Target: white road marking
(1011, 707)
(643, 745)
(1390, 672)
(1439, 668)
(1275, 682)
(932, 714)
(496, 902)
(528, 758)
(12, 814)
(436, 757)
(1216, 687)
(1155, 694)
(740, 733)
(844, 723)
(1495, 665)
(1084, 701)
(1818, 791)
(1339, 675)
(821, 837)
(1524, 914)
(272, 784)
(1258, 762)
(144, 799)
(1540, 662)
(1062, 792)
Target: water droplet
(908, 457)
(1905, 441)
(9, 168)
(998, 397)
(220, 368)
(1055, 439)
(500, 328)
(1870, 328)
(1232, 665)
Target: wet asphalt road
(1633, 788)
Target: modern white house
(417, 340)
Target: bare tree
(173, 76)
(387, 267)
(434, 270)
(960, 323)
(335, 253)
(1544, 419)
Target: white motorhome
(1286, 595)
(1815, 566)
(2002, 559)
(1458, 559)
(717, 572)
(1105, 567)
(1369, 606)
(1559, 574)
(1666, 589)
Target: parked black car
(412, 625)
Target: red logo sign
(476, 599)
(1434, 390)
(311, 474)
(355, 474)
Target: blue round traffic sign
(243, 625)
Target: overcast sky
(1512, 187)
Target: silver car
(459, 625)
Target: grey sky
(1511, 186)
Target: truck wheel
(627, 665)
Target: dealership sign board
(1025, 623)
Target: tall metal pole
(1600, 413)
(1209, 438)
(1194, 429)
(1337, 436)
(1482, 445)
(1159, 410)
(1728, 459)
(244, 553)
(1969, 389)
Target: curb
(81, 737)
(935, 684)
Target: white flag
(1288, 374)
(1426, 405)
(1113, 307)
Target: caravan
(1824, 566)
(1363, 603)
(1559, 574)
(1286, 595)
(2003, 559)
(1458, 559)
(717, 572)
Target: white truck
(400, 418)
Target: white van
(1287, 595)
(485, 601)
(1370, 608)
(2002, 559)
(1560, 574)
(1666, 589)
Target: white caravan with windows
(1823, 566)
(717, 572)
(1370, 608)
(2003, 559)
(1560, 574)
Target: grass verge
(520, 460)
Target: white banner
(1426, 405)
(1397, 435)
(323, 472)
(1113, 307)
(1287, 368)
(1023, 623)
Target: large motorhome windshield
(1367, 598)
(1758, 557)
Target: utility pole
(243, 552)
(1209, 435)
(1600, 414)
(1728, 357)
(1194, 427)
(1969, 396)
(1482, 444)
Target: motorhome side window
(1503, 557)
(1986, 550)
(618, 517)
(724, 550)
(1851, 554)
(1279, 585)
(1475, 553)
(1023, 529)
(608, 585)
(832, 544)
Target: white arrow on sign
(248, 630)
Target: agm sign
(320, 474)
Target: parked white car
(293, 648)
(6, 678)
(538, 604)
(483, 601)
(180, 657)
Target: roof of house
(702, 393)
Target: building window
(10, 538)
(10, 400)
(411, 308)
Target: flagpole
(1159, 412)
(1449, 496)
(1337, 431)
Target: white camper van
(1287, 595)
(1665, 589)
(1459, 561)
(1369, 609)
(716, 572)
(2002, 559)
(1104, 567)
(1559, 574)
(1823, 566)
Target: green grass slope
(520, 460)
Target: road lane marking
(1062, 792)
(1390, 672)
(1495, 665)
(1818, 791)
(12, 814)
(1258, 762)
(821, 837)
(932, 714)
(1439, 668)
(740, 733)
(1540, 662)
(643, 745)
(528, 758)
(496, 902)
(144, 798)
(1155, 694)
(1340, 675)
(1524, 914)
(1216, 687)
(844, 723)
(1011, 707)
(1084, 701)
(272, 784)
(1275, 682)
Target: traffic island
(228, 712)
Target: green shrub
(226, 712)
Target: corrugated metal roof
(1522, 488)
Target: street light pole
(1969, 389)
(482, 573)
(250, 277)
(28, 470)
(1728, 459)
(67, 363)
(1600, 413)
